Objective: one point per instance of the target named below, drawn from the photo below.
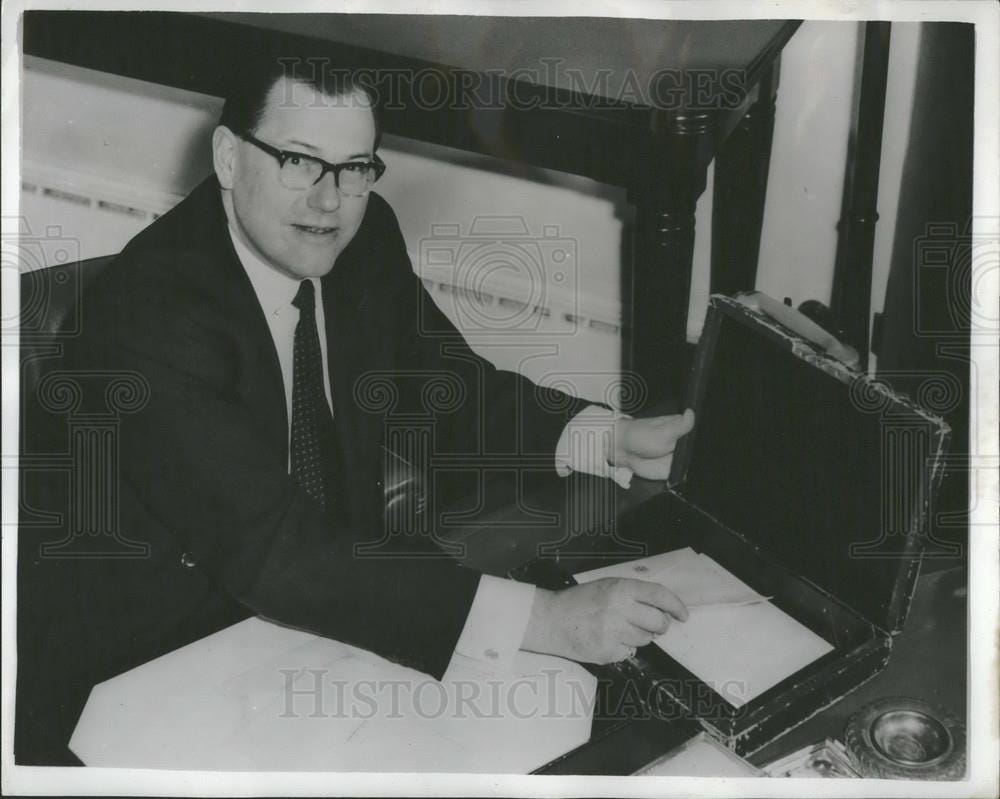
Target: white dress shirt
(501, 608)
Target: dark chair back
(51, 312)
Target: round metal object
(906, 738)
(911, 737)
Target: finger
(634, 636)
(660, 597)
(657, 436)
(651, 447)
(648, 619)
(649, 439)
(652, 468)
(668, 429)
(685, 423)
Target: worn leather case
(808, 480)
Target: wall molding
(144, 205)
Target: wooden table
(642, 104)
(258, 696)
(583, 534)
(929, 662)
(223, 694)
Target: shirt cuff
(496, 624)
(586, 442)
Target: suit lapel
(352, 350)
(357, 346)
(260, 385)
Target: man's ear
(224, 155)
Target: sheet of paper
(739, 650)
(258, 696)
(641, 569)
(700, 757)
(696, 579)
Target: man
(256, 312)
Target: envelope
(735, 640)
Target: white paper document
(258, 696)
(734, 640)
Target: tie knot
(305, 297)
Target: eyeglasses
(300, 171)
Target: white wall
(806, 182)
(807, 165)
(128, 150)
(903, 54)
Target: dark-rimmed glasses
(300, 171)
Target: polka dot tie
(312, 422)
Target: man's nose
(325, 196)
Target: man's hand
(646, 446)
(600, 622)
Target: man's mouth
(314, 230)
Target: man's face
(300, 232)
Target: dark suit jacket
(203, 465)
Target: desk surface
(665, 65)
(602, 56)
(226, 703)
(258, 696)
(928, 662)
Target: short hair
(248, 87)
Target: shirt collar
(275, 290)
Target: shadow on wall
(931, 303)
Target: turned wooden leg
(739, 192)
(663, 246)
(852, 276)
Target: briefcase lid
(826, 471)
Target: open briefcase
(808, 481)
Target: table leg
(852, 274)
(739, 192)
(663, 246)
